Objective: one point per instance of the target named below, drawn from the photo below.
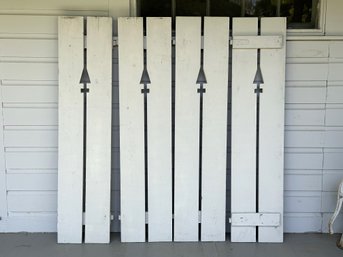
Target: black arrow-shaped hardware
(145, 80)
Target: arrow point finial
(258, 76)
(145, 79)
(201, 77)
(84, 77)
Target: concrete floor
(44, 245)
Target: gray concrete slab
(44, 245)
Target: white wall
(334, 17)
(314, 133)
(28, 149)
(112, 8)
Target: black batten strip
(258, 91)
(257, 143)
(173, 136)
(84, 90)
(145, 80)
(201, 80)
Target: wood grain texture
(243, 135)
(271, 130)
(186, 202)
(132, 201)
(214, 129)
(159, 129)
(99, 130)
(70, 137)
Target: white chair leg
(337, 210)
(340, 242)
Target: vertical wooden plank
(243, 135)
(159, 129)
(271, 129)
(214, 128)
(70, 136)
(99, 130)
(131, 105)
(186, 202)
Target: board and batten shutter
(84, 161)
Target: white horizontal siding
(314, 138)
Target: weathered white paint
(132, 177)
(304, 160)
(99, 130)
(70, 138)
(187, 64)
(214, 129)
(262, 42)
(243, 135)
(334, 17)
(271, 130)
(256, 219)
(114, 8)
(159, 129)
(3, 175)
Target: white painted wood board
(31, 160)
(307, 71)
(304, 138)
(31, 222)
(214, 129)
(243, 135)
(187, 102)
(331, 180)
(132, 177)
(335, 71)
(101, 5)
(306, 92)
(334, 115)
(26, 48)
(29, 71)
(32, 201)
(262, 42)
(336, 49)
(3, 175)
(303, 182)
(333, 159)
(304, 117)
(303, 160)
(271, 130)
(298, 222)
(31, 181)
(99, 130)
(335, 92)
(30, 138)
(70, 137)
(334, 139)
(27, 94)
(159, 126)
(29, 25)
(302, 201)
(30, 116)
(307, 49)
(256, 219)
